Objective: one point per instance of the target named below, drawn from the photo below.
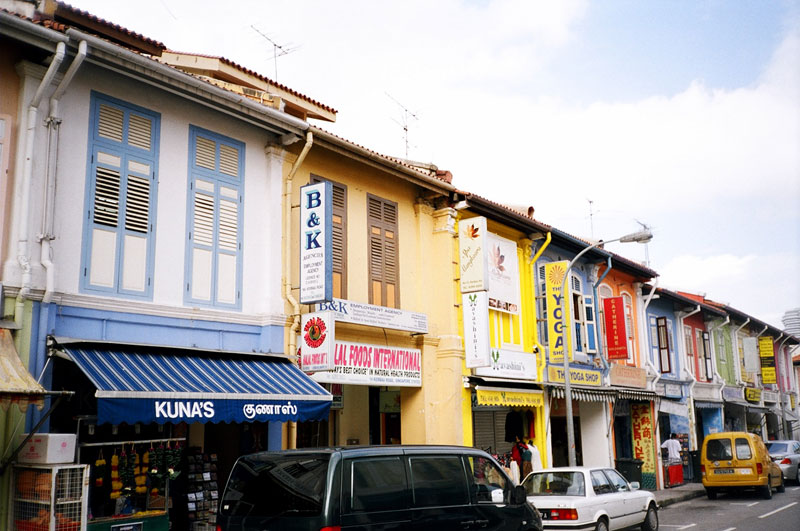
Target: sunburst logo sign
(318, 338)
(554, 276)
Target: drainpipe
(596, 313)
(287, 266)
(643, 340)
(739, 380)
(23, 257)
(48, 212)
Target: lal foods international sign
(364, 364)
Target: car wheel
(766, 490)
(711, 493)
(782, 486)
(602, 525)
(651, 519)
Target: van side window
(743, 449)
(719, 450)
(375, 484)
(486, 477)
(438, 481)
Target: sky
(684, 116)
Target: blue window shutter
(214, 238)
(591, 338)
(121, 198)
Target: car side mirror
(518, 495)
(635, 485)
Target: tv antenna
(591, 219)
(647, 244)
(404, 124)
(277, 49)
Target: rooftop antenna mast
(277, 49)
(406, 115)
(591, 219)
(646, 245)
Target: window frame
(127, 153)
(664, 350)
(219, 180)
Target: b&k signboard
(316, 239)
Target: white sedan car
(590, 498)
(787, 455)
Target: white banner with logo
(510, 364)
(475, 307)
(317, 333)
(364, 364)
(504, 292)
(472, 255)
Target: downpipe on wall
(51, 174)
(23, 252)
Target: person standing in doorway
(673, 447)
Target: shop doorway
(384, 416)
(558, 426)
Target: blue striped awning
(137, 385)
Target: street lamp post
(642, 236)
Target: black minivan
(373, 488)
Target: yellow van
(735, 460)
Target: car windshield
(778, 448)
(555, 484)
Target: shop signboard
(554, 273)
(510, 364)
(378, 316)
(473, 254)
(317, 333)
(770, 396)
(643, 430)
(732, 394)
(614, 317)
(504, 292)
(625, 376)
(673, 390)
(316, 240)
(590, 377)
(753, 395)
(381, 365)
(793, 401)
(767, 355)
(509, 398)
(475, 307)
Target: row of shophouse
(154, 259)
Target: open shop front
(149, 420)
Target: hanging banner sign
(554, 274)
(316, 240)
(378, 316)
(510, 364)
(317, 333)
(475, 308)
(643, 431)
(766, 353)
(616, 338)
(362, 364)
(472, 248)
(504, 292)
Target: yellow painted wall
(425, 250)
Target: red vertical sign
(616, 339)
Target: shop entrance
(559, 431)
(384, 416)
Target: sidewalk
(687, 491)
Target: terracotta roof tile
(259, 76)
(111, 25)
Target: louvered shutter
(591, 330)
(124, 155)
(663, 345)
(383, 252)
(215, 233)
(483, 430)
(339, 236)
